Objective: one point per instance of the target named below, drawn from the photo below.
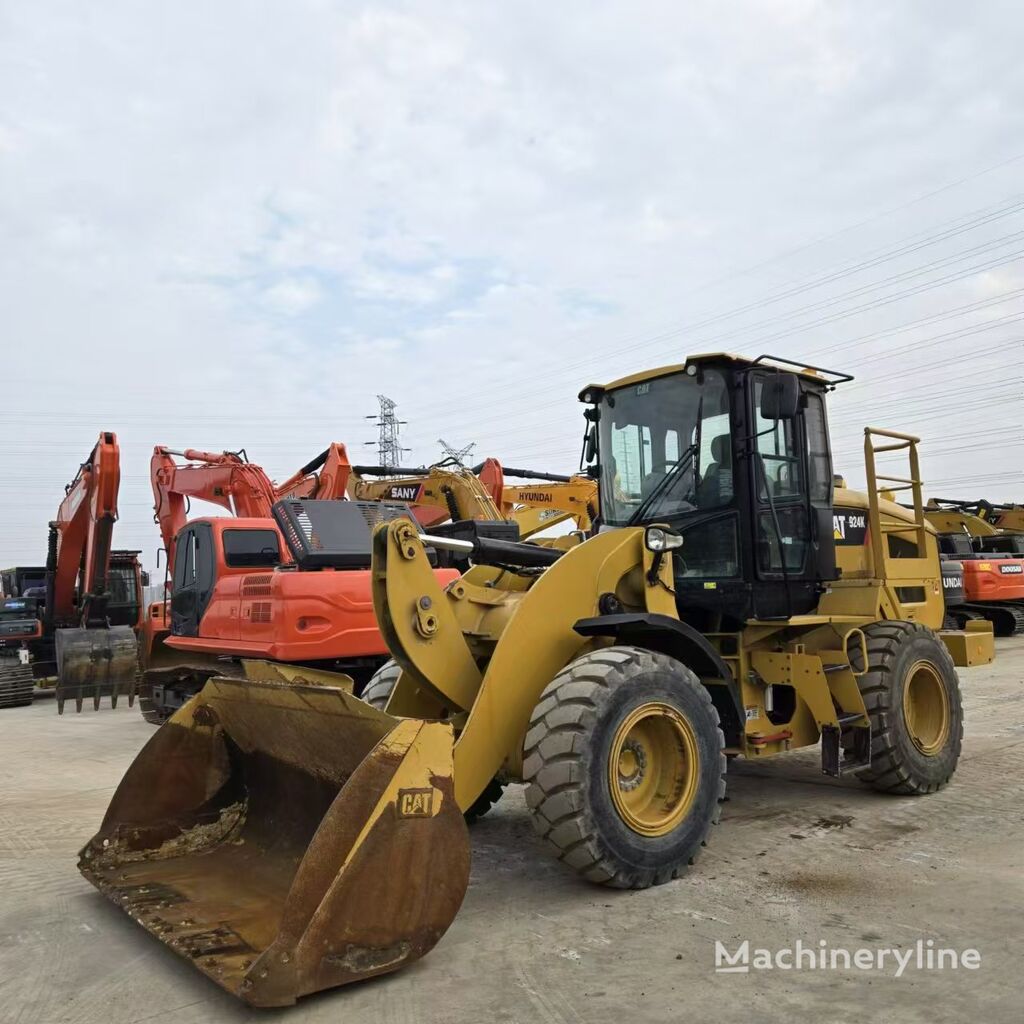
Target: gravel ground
(796, 856)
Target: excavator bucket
(96, 663)
(286, 838)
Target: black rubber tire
(897, 766)
(377, 692)
(565, 766)
(485, 801)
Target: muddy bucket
(96, 663)
(286, 838)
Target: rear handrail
(912, 483)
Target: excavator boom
(326, 477)
(94, 658)
(435, 493)
(544, 501)
(225, 479)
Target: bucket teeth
(94, 663)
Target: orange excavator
(252, 587)
(285, 580)
(80, 626)
(990, 559)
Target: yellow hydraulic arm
(436, 493)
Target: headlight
(658, 538)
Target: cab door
(785, 531)
(194, 576)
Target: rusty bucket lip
(268, 959)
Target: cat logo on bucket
(416, 803)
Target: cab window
(185, 561)
(251, 549)
(778, 446)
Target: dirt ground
(797, 856)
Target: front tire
(625, 766)
(912, 695)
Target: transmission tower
(458, 455)
(389, 445)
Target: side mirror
(590, 448)
(780, 397)
(144, 578)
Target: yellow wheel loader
(287, 837)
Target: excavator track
(151, 712)
(17, 684)
(1018, 614)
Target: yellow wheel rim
(653, 768)
(926, 708)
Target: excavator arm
(546, 500)
(436, 493)
(325, 478)
(92, 657)
(78, 560)
(225, 479)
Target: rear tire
(912, 695)
(377, 693)
(625, 765)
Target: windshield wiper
(674, 472)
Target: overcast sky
(234, 224)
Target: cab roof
(828, 378)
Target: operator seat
(716, 484)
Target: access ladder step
(837, 760)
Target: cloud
(235, 225)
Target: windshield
(121, 585)
(675, 427)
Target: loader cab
(734, 455)
(206, 550)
